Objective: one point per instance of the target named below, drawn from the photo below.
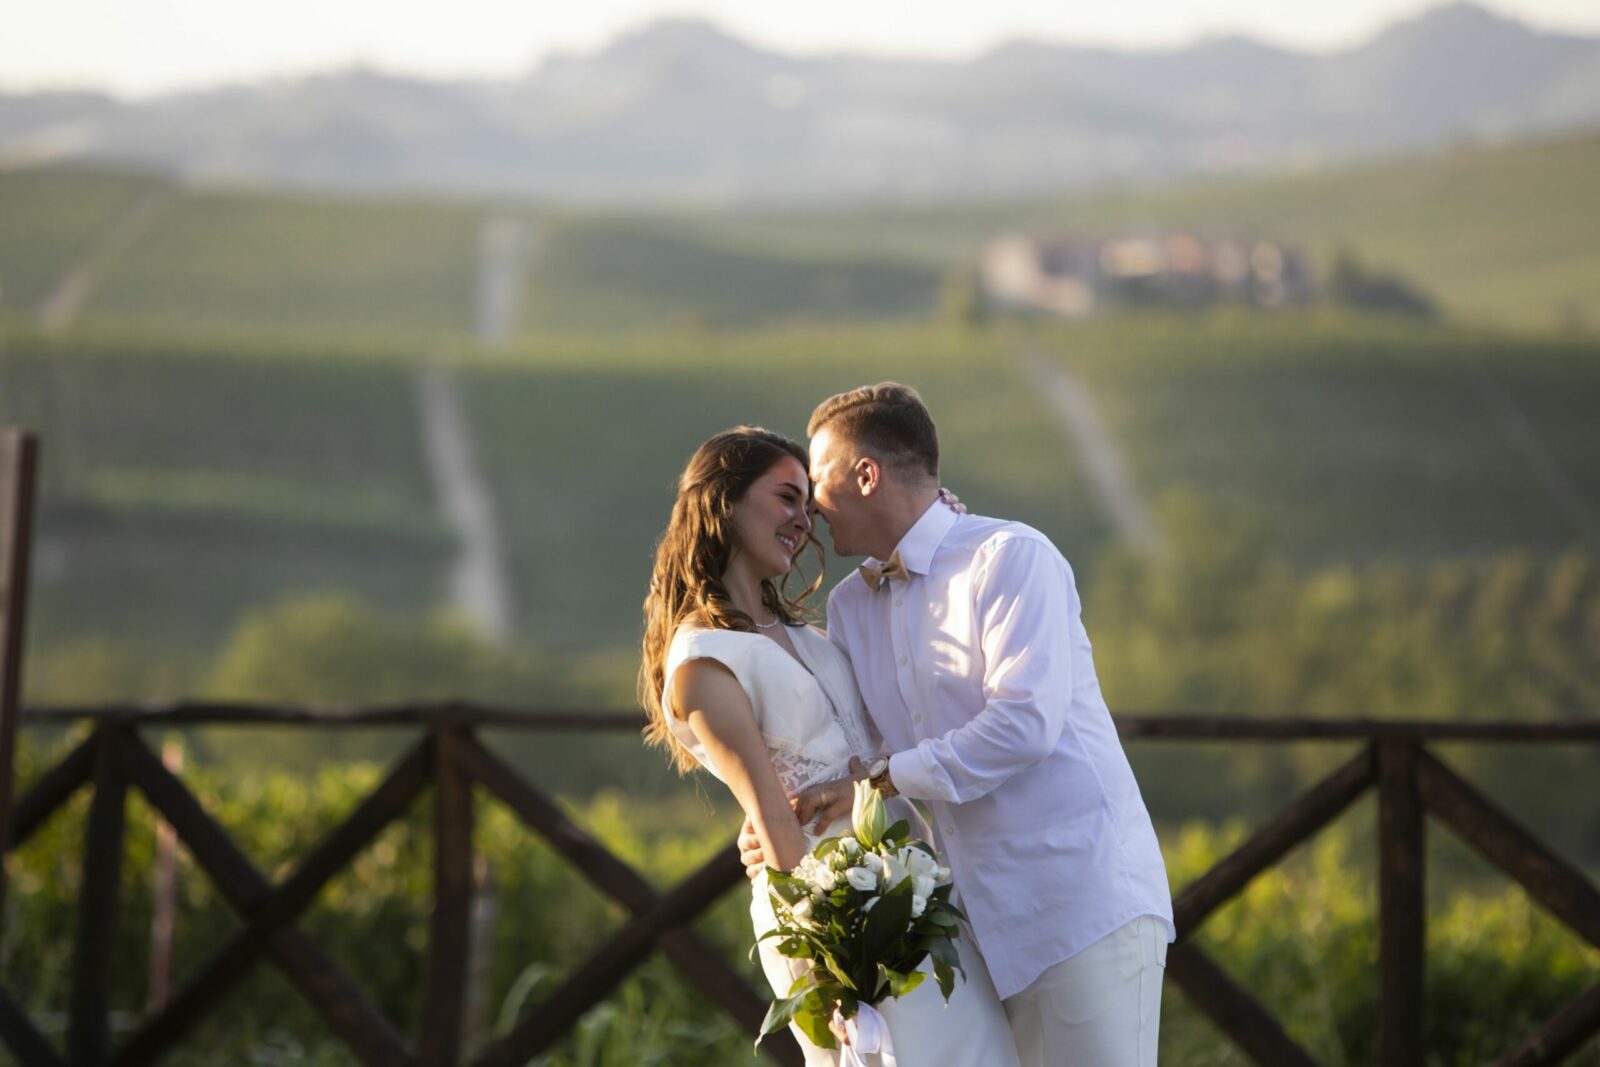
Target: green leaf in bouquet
(756, 948)
(827, 846)
(944, 917)
(795, 948)
(838, 964)
(944, 953)
(790, 890)
(780, 1014)
(887, 920)
(813, 1015)
(945, 976)
(898, 834)
(901, 983)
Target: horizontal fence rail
(1411, 782)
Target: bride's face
(772, 521)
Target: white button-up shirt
(978, 674)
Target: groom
(966, 639)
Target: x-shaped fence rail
(1411, 782)
(115, 758)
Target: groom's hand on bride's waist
(750, 853)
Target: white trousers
(1101, 1008)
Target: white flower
(918, 862)
(941, 875)
(922, 885)
(872, 862)
(802, 909)
(849, 846)
(867, 814)
(826, 879)
(862, 879)
(919, 904)
(894, 872)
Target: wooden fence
(1411, 782)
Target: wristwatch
(878, 777)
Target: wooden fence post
(1400, 905)
(450, 936)
(89, 1024)
(18, 458)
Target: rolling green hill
(182, 483)
(1356, 440)
(1507, 236)
(393, 268)
(611, 273)
(186, 482)
(49, 220)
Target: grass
(1353, 440)
(394, 268)
(180, 488)
(612, 273)
(49, 219)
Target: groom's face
(835, 494)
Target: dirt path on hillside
(505, 248)
(1096, 450)
(480, 583)
(61, 308)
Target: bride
(735, 681)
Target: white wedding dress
(812, 718)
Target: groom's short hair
(888, 421)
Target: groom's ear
(869, 475)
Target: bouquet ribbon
(865, 1034)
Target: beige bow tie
(876, 573)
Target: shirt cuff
(910, 775)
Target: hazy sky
(138, 47)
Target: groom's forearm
(975, 759)
(1027, 608)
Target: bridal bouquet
(866, 909)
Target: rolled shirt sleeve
(1025, 605)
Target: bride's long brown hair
(692, 554)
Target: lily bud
(868, 816)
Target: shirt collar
(916, 548)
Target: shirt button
(902, 661)
(949, 828)
(897, 601)
(917, 717)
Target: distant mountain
(680, 111)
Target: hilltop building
(1078, 277)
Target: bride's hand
(952, 501)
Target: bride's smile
(771, 522)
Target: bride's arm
(710, 699)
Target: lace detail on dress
(796, 770)
(854, 735)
